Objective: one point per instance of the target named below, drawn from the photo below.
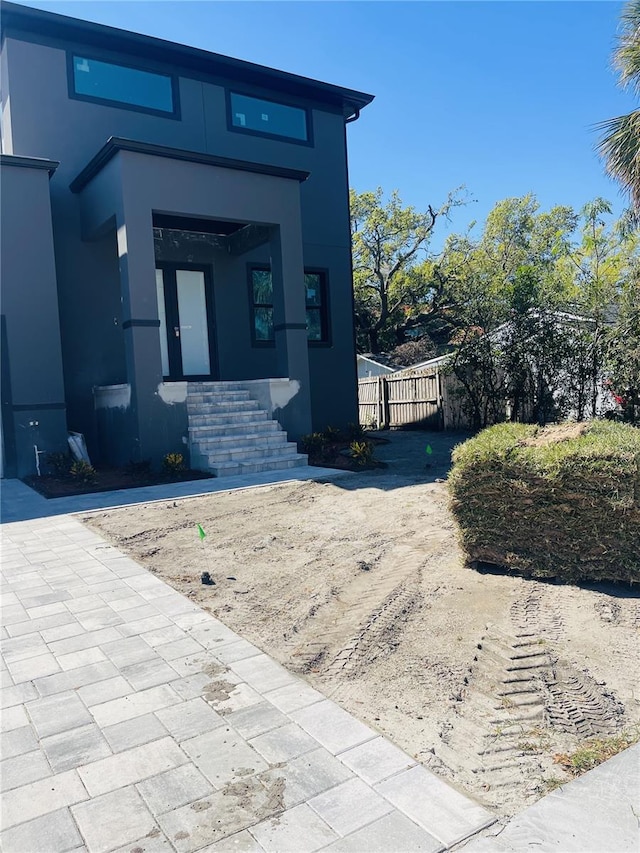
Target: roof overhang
(25, 19)
(29, 162)
(116, 144)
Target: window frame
(325, 313)
(246, 131)
(109, 102)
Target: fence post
(385, 403)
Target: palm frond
(627, 55)
(620, 147)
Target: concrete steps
(229, 434)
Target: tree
(622, 354)
(503, 292)
(388, 243)
(620, 141)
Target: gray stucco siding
(33, 402)
(45, 121)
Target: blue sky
(499, 96)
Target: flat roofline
(115, 144)
(14, 16)
(29, 162)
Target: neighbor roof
(17, 18)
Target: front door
(185, 309)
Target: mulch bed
(106, 480)
(332, 457)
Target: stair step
(194, 401)
(234, 417)
(214, 430)
(226, 408)
(268, 439)
(206, 418)
(228, 469)
(244, 453)
(199, 387)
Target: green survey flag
(201, 533)
(429, 450)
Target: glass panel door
(186, 322)
(194, 331)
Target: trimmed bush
(560, 501)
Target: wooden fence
(395, 400)
(430, 398)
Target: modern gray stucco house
(175, 249)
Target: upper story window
(268, 118)
(132, 88)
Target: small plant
(83, 472)
(140, 470)
(60, 463)
(173, 464)
(356, 432)
(331, 434)
(313, 443)
(362, 452)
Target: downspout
(354, 117)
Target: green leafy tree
(389, 244)
(622, 355)
(620, 140)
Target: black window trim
(324, 307)
(108, 102)
(245, 131)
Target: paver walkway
(134, 721)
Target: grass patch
(560, 501)
(593, 752)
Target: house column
(290, 322)
(140, 325)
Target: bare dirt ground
(359, 586)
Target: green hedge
(560, 501)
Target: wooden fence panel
(400, 400)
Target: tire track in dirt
(519, 703)
(377, 597)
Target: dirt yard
(359, 586)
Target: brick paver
(133, 719)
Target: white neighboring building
(374, 365)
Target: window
(262, 290)
(120, 84)
(262, 304)
(255, 115)
(316, 314)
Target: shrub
(314, 443)
(560, 501)
(60, 463)
(356, 432)
(362, 452)
(331, 434)
(173, 464)
(83, 472)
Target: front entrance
(185, 309)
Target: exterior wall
(367, 368)
(44, 121)
(33, 405)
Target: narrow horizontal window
(105, 81)
(259, 116)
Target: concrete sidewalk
(597, 813)
(133, 720)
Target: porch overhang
(115, 144)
